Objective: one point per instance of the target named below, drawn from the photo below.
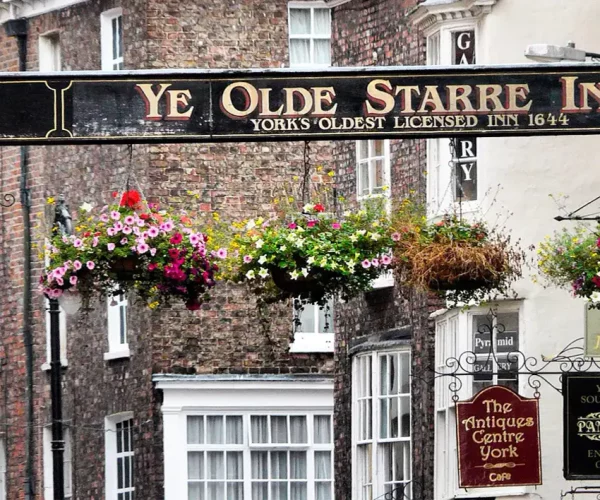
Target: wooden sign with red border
(498, 440)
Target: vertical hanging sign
(498, 440)
(581, 393)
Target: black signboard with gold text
(581, 392)
(263, 105)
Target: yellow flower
(153, 305)
(331, 173)
(319, 168)
(290, 199)
(50, 200)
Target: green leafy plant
(571, 259)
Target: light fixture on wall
(543, 52)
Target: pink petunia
(336, 225)
(396, 236)
(90, 265)
(143, 248)
(77, 265)
(176, 239)
(104, 217)
(111, 231)
(77, 243)
(386, 260)
(153, 232)
(73, 280)
(153, 252)
(247, 259)
(140, 222)
(126, 230)
(114, 215)
(95, 241)
(60, 281)
(194, 239)
(118, 226)
(375, 262)
(167, 226)
(222, 253)
(123, 241)
(152, 266)
(55, 293)
(366, 263)
(311, 223)
(129, 220)
(292, 225)
(110, 246)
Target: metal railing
(402, 492)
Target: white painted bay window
(381, 423)
(309, 34)
(118, 344)
(313, 328)
(247, 438)
(111, 28)
(49, 52)
(120, 455)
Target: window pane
(299, 491)
(322, 424)
(300, 21)
(322, 22)
(306, 319)
(405, 416)
(260, 491)
(298, 464)
(378, 149)
(298, 431)
(383, 414)
(326, 318)
(383, 370)
(299, 52)
(279, 465)
(196, 491)
(322, 465)
(279, 491)
(363, 176)
(279, 430)
(379, 173)
(322, 51)
(195, 430)
(235, 491)
(195, 465)
(216, 467)
(216, 491)
(234, 430)
(393, 423)
(260, 432)
(404, 372)
(393, 374)
(362, 148)
(235, 465)
(260, 465)
(214, 430)
(324, 491)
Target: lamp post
(543, 52)
(63, 224)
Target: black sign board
(581, 393)
(263, 105)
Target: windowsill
(386, 280)
(46, 366)
(493, 493)
(123, 353)
(312, 342)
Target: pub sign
(581, 392)
(498, 439)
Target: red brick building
(145, 392)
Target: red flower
(130, 199)
(176, 239)
(311, 223)
(596, 281)
(185, 220)
(144, 216)
(319, 208)
(115, 194)
(193, 304)
(152, 266)
(87, 233)
(439, 223)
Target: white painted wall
(529, 169)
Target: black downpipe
(18, 28)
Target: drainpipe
(18, 28)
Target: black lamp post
(63, 224)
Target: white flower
(262, 259)
(250, 224)
(299, 229)
(347, 213)
(362, 232)
(595, 297)
(308, 207)
(294, 274)
(282, 248)
(86, 207)
(353, 238)
(375, 236)
(250, 274)
(259, 243)
(310, 260)
(299, 243)
(333, 265)
(263, 273)
(304, 272)
(350, 264)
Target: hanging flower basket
(462, 260)
(571, 259)
(311, 256)
(135, 246)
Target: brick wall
(368, 33)
(237, 179)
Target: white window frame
(223, 395)
(3, 468)
(314, 341)
(312, 6)
(450, 341)
(106, 39)
(49, 52)
(116, 312)
(111, 455)
(441, 185)
(359, 362)
(48, 463)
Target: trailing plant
(571, 259)
(462, 260)
(132, 245)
